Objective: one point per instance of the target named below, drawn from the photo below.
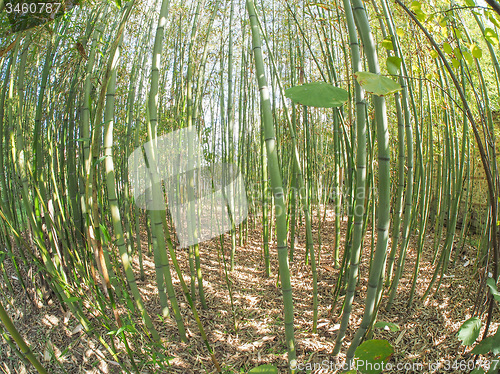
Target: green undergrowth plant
(488, 346)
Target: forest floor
(426, 336)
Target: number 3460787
(32, 8)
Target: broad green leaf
(495, 366)
(400, 32)
(476, 51)
(387, 44)
(434, 54)
(458, 54)
(478, 370)
(447, 48)
(118, 3)
(415, 5)
(421, 16)
(489, 344)
(318, 94)
(456, 63)
(491, 36)
(264, 369)
(442, 21)
(392, 326)
(469, 2)
(371, 354)
(377, 84)
(468, 57)
(484, 346)
(469, 331)
(393, 65)
(493, 288)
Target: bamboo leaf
(318, 94)
(493, 288)
(100, 160)
(105, 233)
(476, 51)
(493, 17)
(117, 332)
(324, 6)
(371, 354)
(421, 16)
(447, 48)
(71, 299)
(468, 57)
(387, 44)
(387, 326)
(491, 36)
(469, 331)
(415, 6)
(87, 139)
(377, 84)
(264, 369)
(394, 65)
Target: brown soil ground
(427, 332)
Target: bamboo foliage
(82, 92)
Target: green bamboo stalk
(110, 178)
(357, 236)
(301, 185)
(230, 125)
(383, 205)
(276, 185)
(25, 349)
(158, 219)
